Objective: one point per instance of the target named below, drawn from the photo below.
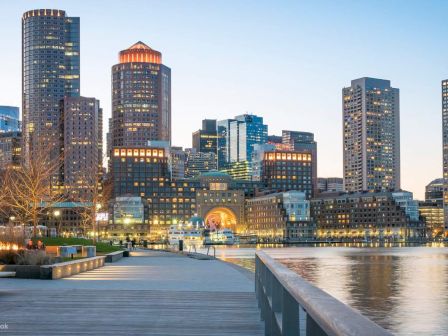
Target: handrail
(291, 305)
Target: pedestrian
(121, 243)
(133, 243)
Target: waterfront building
(219, 203)
(330, 184)
(50, 72)
(144, 172)
(286, 170)
(10, 149)
(205, 140)
(199, 162)
(128, 217)
(279, 217)
(83, 147)
(9, 119)
(367, 216)
(434, 191)
(371, 136)
(432, 215)
(303, 142)
(141, 98)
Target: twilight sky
(284, 60)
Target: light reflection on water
(403, 289)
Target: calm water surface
(403, 289)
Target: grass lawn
(58, 241)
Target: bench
(69, 268)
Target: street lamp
(57, 215)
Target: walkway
(151, 293)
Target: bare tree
(32, 188)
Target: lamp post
(57, 215)
(96, 228)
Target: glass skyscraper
(141, 98)
(371, 135)
(50, 72)
(9, 119)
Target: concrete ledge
(115, 256)
(69, 268)
(22, 271)
(7, 274)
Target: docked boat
(222, 236)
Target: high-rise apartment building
(371, 135)
(141, 97)
(205, 140)
(83, 147)
(9, 119)
(50, 72)
(445, 152)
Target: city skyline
(193, 101)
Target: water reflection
(402, 288)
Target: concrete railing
(69, 268)
(292, 306)
(115, 256)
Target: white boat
(189, 234)
(222, 236)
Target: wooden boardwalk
(108, 301)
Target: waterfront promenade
(150, 293)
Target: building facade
(445, 152)
(198, 163)
(10, 149)
(144, 172)
(371, 136)
(9, 119)
(141, 98)
(280, 217)
(237, 138)
(367, 217)
(287, 170)
(330, 184)
(83, 147)
(303, 142)
(50, 72)
(205, 140)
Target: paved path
(151, 293)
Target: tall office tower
(223, 128)
(371, 135)
(83, 147)
(141, 97)
(50, 72)
(303, 142)
(445, 152)
(9, 119)
(205, 139)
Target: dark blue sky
(284, 60)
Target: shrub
(8, 257)
(33, 257)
